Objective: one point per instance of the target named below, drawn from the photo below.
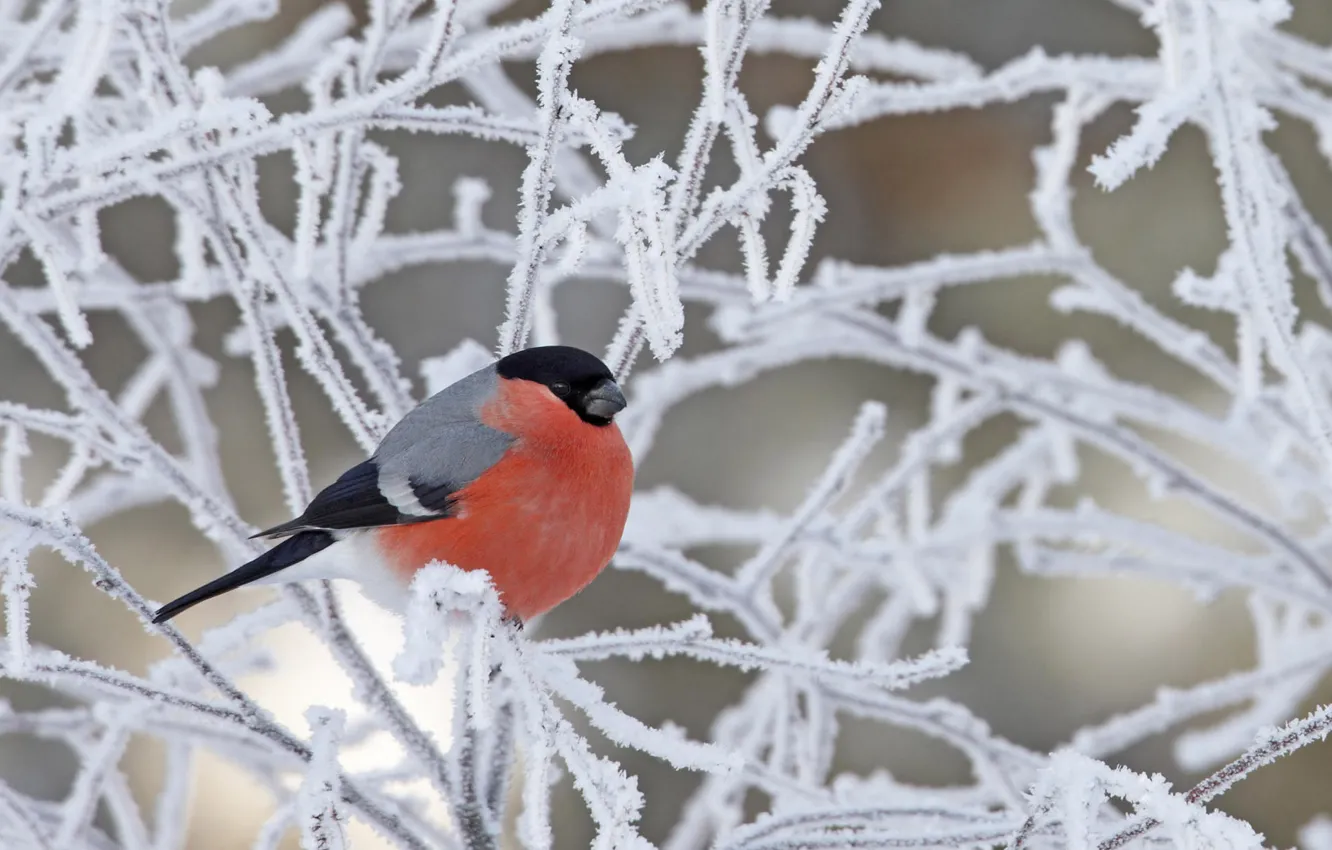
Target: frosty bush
(98, 105)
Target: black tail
(293, 550)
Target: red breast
(545, 519)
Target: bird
(518, 469)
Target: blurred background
(1048, 656)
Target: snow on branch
(102, 102)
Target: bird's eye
(561, 389)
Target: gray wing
(437, 449)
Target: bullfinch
(518, 469)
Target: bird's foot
(512, 622)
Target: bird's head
(573, 376)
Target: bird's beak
(604, 400)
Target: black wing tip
(285, 529)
